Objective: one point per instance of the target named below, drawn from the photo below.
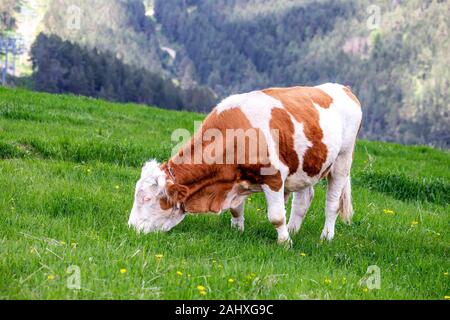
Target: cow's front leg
(237, 219)
(277, 213)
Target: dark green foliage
(60, 66)
(242, 55)
(116, 56)
(402, 187)
(400, 74)
(116, 26)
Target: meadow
(68, 167)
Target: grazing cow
(275, 141)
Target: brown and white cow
(276, 141)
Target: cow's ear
(177, 192)
(165, 203)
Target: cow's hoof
(293, 228)
(287, 243)
(327, 235)
(238, 223)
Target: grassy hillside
(67, 173)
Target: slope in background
(394, 54)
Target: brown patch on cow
(278, 223)
(282, 122)
(299, 102)
(304, 95)
(319, 96)
(209, 183)
(209, 198)
(349, 92)
(165, 203)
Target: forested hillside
(400, 67)
(393, 53)
(115, 25)
(108, 50)
(63, 66)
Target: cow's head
(155, 205)
(160, 204)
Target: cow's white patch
(349, 113)
(257, 107)
(299, 179)
(147, 214)
(331, 123)
(255, 100)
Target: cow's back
(315, 124)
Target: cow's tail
(345, 202)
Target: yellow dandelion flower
(447, 298)
(388, 211)
(123, 270)
(159, 256)
(327, 281)
(117, 187)
(50, 277)
(446, 274)
(231, 280)
(365, 290)
(201, 288)
(251, 276)
(179, 273)
(302, 254)
(89, 170)
(202, 292)
(189, 275)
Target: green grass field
(68, 167)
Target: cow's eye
(142, 197)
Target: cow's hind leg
(277, 213)
(237, 219)
(300, 205)
(338, 195)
